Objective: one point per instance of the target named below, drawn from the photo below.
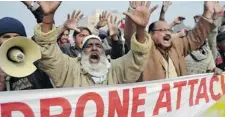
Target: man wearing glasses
(166, 58)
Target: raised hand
(208, 9)
(166, 5)
(102, 19)
(49, 7)
(183, 33)
(72, 22)
(134, 4)
(218, 10)
(112, 24)
(141, 14)
(179, 20)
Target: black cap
(220, 37)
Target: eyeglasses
(162, 30)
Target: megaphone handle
(7, 81)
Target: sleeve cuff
(41, 37)
(140, 47)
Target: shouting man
(92, 68)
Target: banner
(188, 96)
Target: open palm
(166, 5)
(112, 25)
(72, 22)
(141, 14)
(103, 19)
(49, 7)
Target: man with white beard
(92, 68)
(94, 60)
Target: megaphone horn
(17, 56)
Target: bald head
(160, 33)
(158, 25)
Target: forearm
(140, 35)
(27, 3)
(117, 49)
(208, 16)
(172, 25)
(53, 61)
(197, 36)
(38, 14)
(133, 63)
(129, 29)
(60, 30)
(162, 15)
(47, 23)
(212, 42)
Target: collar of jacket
(164, 52)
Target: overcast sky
(17, 10)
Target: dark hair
(81, 29)
(59, 37)
(220, 37)
(151, 27)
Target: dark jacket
(37, 80)
(220, 60)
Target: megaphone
(17, 56)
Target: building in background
(92, 20)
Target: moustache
(167, 37)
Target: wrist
(207, 14)
(97, 27)
(114, 37)
(140, 34)
(48, 19)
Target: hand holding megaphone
(17, 56)
(2, 80)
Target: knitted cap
(11, 25)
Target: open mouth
(167, 38)
(94, 58)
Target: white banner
(189, 96)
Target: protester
(78, 36)
(220, 60)
(92, 68)
(9, 28)
(166, 58)
(64, 38)
(202, 60)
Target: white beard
(98, 71)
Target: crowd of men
(122, 54)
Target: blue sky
(17, 10)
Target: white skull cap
(90, 37)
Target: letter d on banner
(8, 108)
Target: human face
(65, 35)
(221, 45)
(7, 36)
(94, 50)
(79, 37)
(162, 34)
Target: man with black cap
(92, 68)
(9, 28)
